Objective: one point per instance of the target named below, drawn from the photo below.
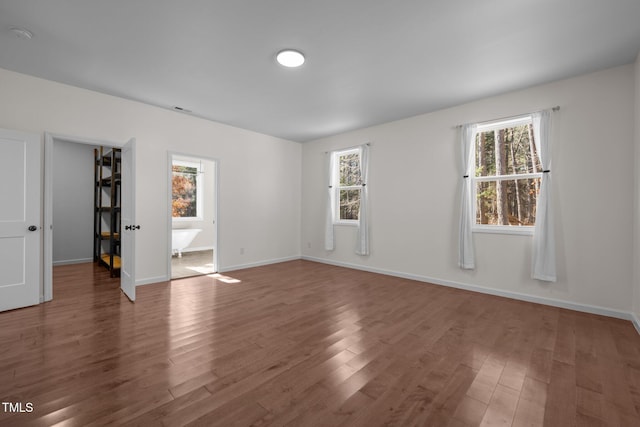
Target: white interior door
(127, 217)
(20, 231)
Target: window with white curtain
(347, 181)
(506, 178)
(347, 196)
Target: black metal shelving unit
(107, 177)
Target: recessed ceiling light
(22, 33)
(290, 58)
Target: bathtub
(181, 238)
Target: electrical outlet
(309, 245)
(241, 251)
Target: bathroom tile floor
(192, 264)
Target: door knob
(32, 228)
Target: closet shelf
(108, 209)
(106, 259)
(107, 235)
(107, 182)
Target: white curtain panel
(329, 240)
(466, 257)
(544, 243)
(362, 245)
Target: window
(348, 183)
(347, 195)
(186, 189)
(507, 177)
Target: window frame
(199, 191)
(335, 182)
(490, 228)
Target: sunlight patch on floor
(202, 269)
(225, 279)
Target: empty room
(338, 213)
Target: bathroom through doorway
(193, 210)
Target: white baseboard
(619, 314)
(636, 321)
(72, 261)
(151, 280)
(257, 264)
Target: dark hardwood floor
(306, 344)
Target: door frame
(216, 192)
(49, 139)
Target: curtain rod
(554, 109)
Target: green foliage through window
(349, 185)
(507, 172)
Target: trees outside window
(186, 191)
(507, 176)
(349, 185)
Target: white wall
(259, 200)
(636, 252)
(414, 195)
(72, 203)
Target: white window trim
(349, 222)
(199, 192)
(526, 230)
(335, 181)
(502, 124)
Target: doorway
(70, 162)
(192, 183)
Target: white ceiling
(368, 61)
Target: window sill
(495, 229)
(348, 223)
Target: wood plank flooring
(307, 344)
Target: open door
(20, 231)
(128, 227)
